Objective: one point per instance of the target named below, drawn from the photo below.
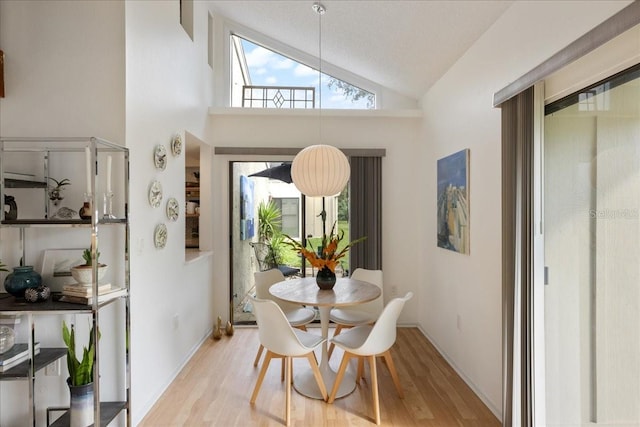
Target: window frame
(234, 29)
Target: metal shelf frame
(104, 412)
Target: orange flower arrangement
(328, 256)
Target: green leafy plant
(331, 250)
(269, 220)
(86, 255)
(3, 267)
(278, 244)
(80, 372)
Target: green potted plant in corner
(83, 273)
(80, 379)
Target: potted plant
(55, 193)
(327, 257)
(80, 379)
(83, 274)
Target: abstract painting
(453, 202)
(246, 208)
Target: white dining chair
(297, 315)
(362, 314)
(368, 342)
(283, 341)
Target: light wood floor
(215, 387)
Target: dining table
(305, 291)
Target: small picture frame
(56, 267)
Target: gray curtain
(366, 212)
(517, 253)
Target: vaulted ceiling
(405, 46)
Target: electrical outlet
(53, 369)
(176, 322)
(394, 290)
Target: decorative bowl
(83, 273)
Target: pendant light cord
(320, 10)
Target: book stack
(16, 355)
(79, 294)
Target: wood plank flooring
(215, 387)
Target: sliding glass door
(592, 255)
(266, 206)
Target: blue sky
(268, 68)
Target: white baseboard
(470, 383)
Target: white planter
(83, 274)
(81, 405)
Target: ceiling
(405, 46)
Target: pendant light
(320, 170)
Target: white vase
(81, 405)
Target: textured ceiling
(405, 46)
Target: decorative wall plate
(160, 157)
(176, 145)
(173, 209)
(155, 194)
(160, 236)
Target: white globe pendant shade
(320, 171)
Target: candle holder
(85, 210)
(108, 205)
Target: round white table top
(345, 292)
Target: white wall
(168, 90)
(64, 69)
(461, 295)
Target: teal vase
(21, 279)
(326, 279)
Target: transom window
(263, 78)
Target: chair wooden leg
(255, 362)
(263, 371)
(317, 375)
(393, 372)
(374, 388)
(288, 363)
(332, 345)
(282, 370)
(302, 327)
(360, 373)
(339, 376)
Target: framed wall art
(56, 267)
(453, 202)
